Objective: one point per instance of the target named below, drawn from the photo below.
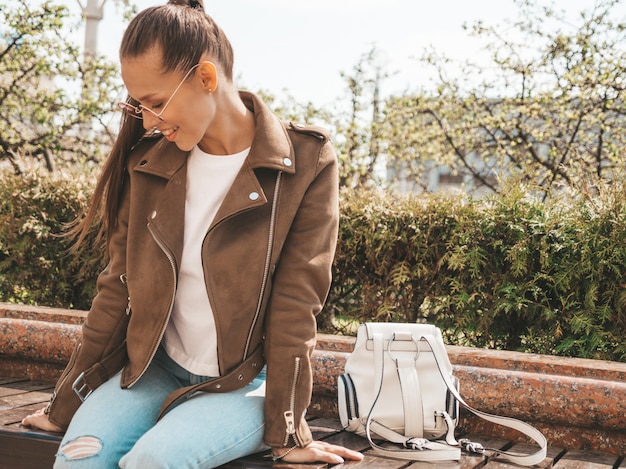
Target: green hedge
(36, 266)
(506, 272)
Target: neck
(232, 129)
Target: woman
(220, 223)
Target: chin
(182, 146)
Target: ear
(208, 74)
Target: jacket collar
(271, 146)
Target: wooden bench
(578, 404)
(22, 448)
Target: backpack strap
(411, 400)
(439, 353)
(421, 449)
(417, 448)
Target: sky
(302, 47)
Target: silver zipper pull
(471, 447)
(291, 423)
(128, 307)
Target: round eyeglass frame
(137, 111)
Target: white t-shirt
(190, 337)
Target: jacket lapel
(167, 218)
(271, 148)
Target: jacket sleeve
(300, 286)
(104, 329)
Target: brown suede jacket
(270, 248)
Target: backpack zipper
(351, 404)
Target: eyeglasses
(137, 111)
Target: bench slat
(4, 381)
(259, 462)
(523, 448)
(587, 460)
(28, 449)
(470, 461)
(17, 450)
(21, 387)
(14, 416)
(19, 400)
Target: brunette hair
(183, 32)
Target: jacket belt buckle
(81, 388)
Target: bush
(36, 266)
(506, 272)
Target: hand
(40, 420)
(318, 451)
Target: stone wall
(577, 403)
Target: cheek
(198, 114)
(193, 123)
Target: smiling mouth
(169, 132)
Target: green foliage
(359, 141)
(36, 266)
(355, 123)
(529, 270)
(54, 103)
(548, 106)
(507, 272)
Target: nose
(150, 121)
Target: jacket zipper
(124, 280)
(170, 258)
(268, 259)
(289, 415)
(70, 367)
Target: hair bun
(193, 4)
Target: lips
(170, 133)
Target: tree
(359, 137)
(289, 109)
(356, 126)
(549, 109)
(54, 103)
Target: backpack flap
(402, 361)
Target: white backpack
(398, 386)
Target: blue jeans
(118, 427)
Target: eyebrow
(145, 97)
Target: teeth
(169, 131)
